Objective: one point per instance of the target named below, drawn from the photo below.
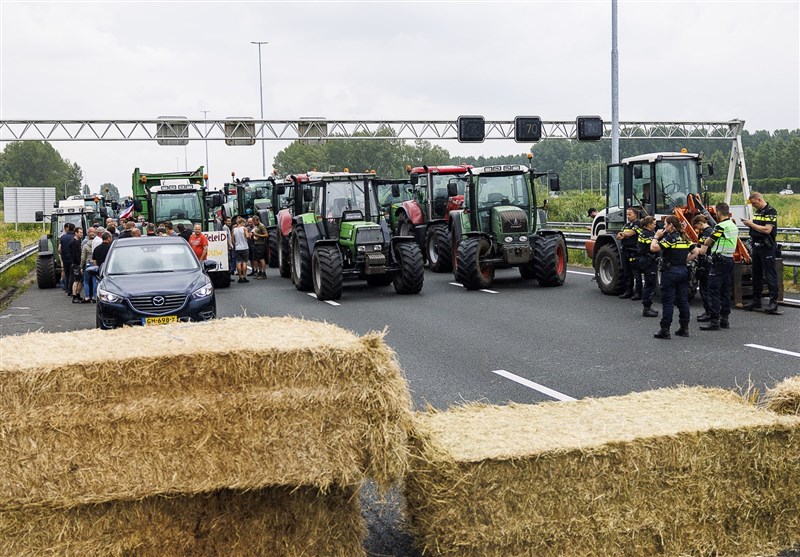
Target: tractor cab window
(74, 218)
(675, 180)
(178, 207)
(493, 191)
(615, 190)
(440, 182)
(385, 197)
(341, 196)
(641, 187)
(422, 189)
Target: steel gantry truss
(248, 131)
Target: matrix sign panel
(590, 128)
(527, 129)
(471, 129)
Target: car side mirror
(209, 265)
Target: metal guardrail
(12, 260)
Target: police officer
(676, 251)
(701, 270)
(648, 264)
(629, 236)
(721, 244)
(763, 233)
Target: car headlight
(106, 296)
(203, 292)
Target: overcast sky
(678, 61)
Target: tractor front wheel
(272, 242)
(301, 260)
(470, 272)
(437, 246)
(409, 279)
(284, 259)
(327, 269)
(608, 271)
(46, 273)
(550, 257)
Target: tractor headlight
(523, 238)
(377, 247)
(361, 249)
(508, 239)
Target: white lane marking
(778, 350)
(482, 289)
(580, 273)
(331, 302)
(535, 386)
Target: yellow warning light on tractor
(205, 177)
(143, 179)
(684, 150)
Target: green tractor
(501, 226)
(48, 261)
(344, 236)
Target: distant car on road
(786, 191)
(153, 281)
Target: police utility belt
(717, 258)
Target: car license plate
(162, 320)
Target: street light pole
(599, 173)
(205, 128)
(261, 95)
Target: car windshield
(152, 258)
(178, 206)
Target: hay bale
(784, 398)
(668, 472)
(194, 408)
(271, 522)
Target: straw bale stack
(99, 426)
(669, 472)
(270, 522)
(784, 398)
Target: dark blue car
(153, 281)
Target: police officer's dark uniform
(630, 253)
(720, 278)
(701, 271)
(648, 266)
(763, 257)
(674, 283)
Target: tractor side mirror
(216, 200)
(114, 206)
(281, 190)
(308, 195)
(452, 188)
(637, 171)
(259, 194)
(710, 169)
(39, 216)
(553, 182)
(103, 212)
(395, 190)
(414, 180)
(137, 205)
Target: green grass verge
(16, 274)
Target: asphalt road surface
(516, 342)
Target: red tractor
(426, 216)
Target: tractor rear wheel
(608, 271)
(410, 277)
(550, 257)
(327, 270)
(46, 276)
(437, 246)
(301, 260)
(404, 226)
(272, 244)
(470, 272)
(284, 258)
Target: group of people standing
(247, 242)
(78, 252)
(646, 250)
